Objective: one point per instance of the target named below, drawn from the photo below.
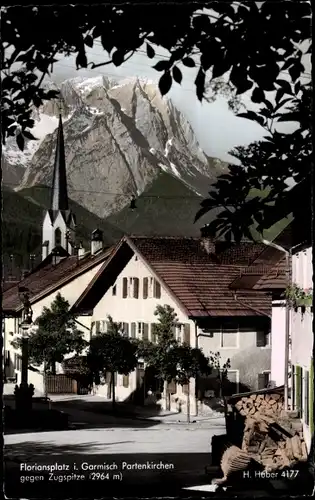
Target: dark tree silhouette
(250, 43)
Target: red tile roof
(48, 277)
(197, 281)
(200, 284)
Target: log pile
(268, 404)
(269, 438)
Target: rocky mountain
(119, 139)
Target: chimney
(81, 251)
(207, 242)
(96, 241)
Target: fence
(60, 384)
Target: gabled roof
(196, 281)
(48, 277)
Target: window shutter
(145, 331)
(92, 331)
(133, 330)
(157, 289)
(261, 381)
(185, 389)
(125, 288)
(115, 379)
(306, 397)
(153, 333)
(97, 326)
(186, 339)
(145, 287)
(125, 327)
(173, 328)
(126, 381)
(135, 288)
(260, 339)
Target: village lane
(95, 439)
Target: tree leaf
(220, 67)
(88, 40)
(81, 59)
(118, 57)
(165, 83)
(258, 95)
(177, 74)
(150, 51)
(20, 141)
(285, 85)
(29, 136)
(161, 65)
(200, 84)
(189, 62)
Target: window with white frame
(143, 331)
(151, 288)
(130, 288)
(229, 336)
(263, 338)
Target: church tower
(59, 221)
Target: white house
(302, 343)
(193, 278)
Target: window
(229, 336)
(143, 331)
(133, 330)
(125, 329)
(263, 380)
(263, 338)
(114, 290)
(57, 237)
(151, 288)
(97, 326)
(130, 288)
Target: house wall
(71, 292)
(247, 358)
(302, 333)
(278, 327)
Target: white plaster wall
(71, 292)
(301, 324)
(247, 357)
(278, 327)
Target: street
(140, 455)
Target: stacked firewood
(268, 404)
(269, 438)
